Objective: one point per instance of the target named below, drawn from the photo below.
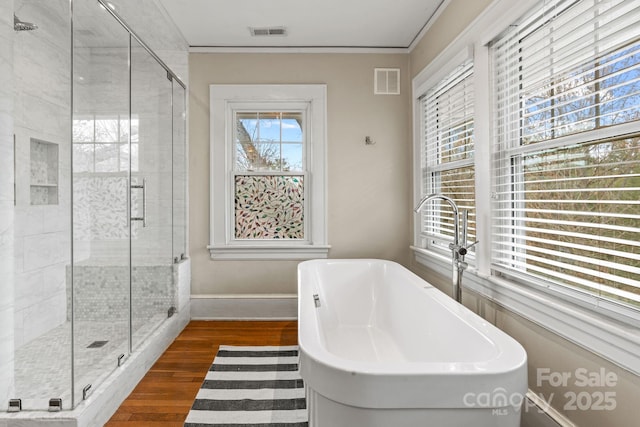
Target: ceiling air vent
(386, 81)
(268, 31)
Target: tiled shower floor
(43, 366)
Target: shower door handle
(142, 218)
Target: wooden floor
(165, 394)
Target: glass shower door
(152, 288)
(100, 172)
(179, 173)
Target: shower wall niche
(44, 172)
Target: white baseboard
(244, 307)
(536, 413)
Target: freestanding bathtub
(380, 347)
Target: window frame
(433, 169)
(260, 107)
(422, 84)
(225, 101)
(516, 148)
(613, 336)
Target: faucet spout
(454, 207)
(434, 196)
(458, 250)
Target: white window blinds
(447, 154)
(566, 196)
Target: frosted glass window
(269, 207)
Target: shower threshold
(108, 390)
(43, 366)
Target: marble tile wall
(44, 163)
(104, 198)
(41, 70)
(6, 206)
(101, 293)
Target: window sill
(615, 341)
(260, 252)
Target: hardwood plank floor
(164, 396)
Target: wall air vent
(386, 81)
(268, 31)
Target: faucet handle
(465, 249)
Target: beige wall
(368, 185)
(545, 349)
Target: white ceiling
(309, 23)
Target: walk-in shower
(100, 199)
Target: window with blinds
(566, 195)
(447, 155)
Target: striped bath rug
(252, 387)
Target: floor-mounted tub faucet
(459, 247)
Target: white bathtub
(384, 348)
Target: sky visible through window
(269, 141)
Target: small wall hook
(369, 141)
